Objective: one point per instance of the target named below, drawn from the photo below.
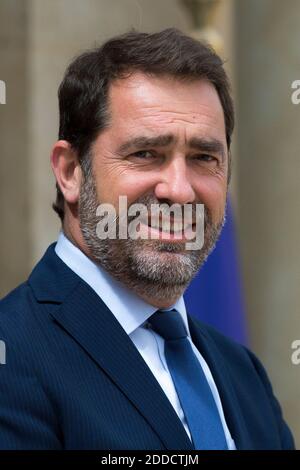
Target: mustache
(148, 200)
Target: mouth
(167, 230)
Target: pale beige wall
(267, 42)
(14, 155)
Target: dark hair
(83, 93)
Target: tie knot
(168, 324)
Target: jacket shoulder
(245, 367)
(18, 326)
(15, 303)
(224, 343)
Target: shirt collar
(129, 309)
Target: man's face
(165, 142)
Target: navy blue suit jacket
(73, 379)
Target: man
(100, 352)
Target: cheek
(212, 193)
(124, 182)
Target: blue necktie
(190, 382)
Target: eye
(203, 157)
(143, 154)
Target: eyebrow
(146, 142)
(207, 145)
(210, 145)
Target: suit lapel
(230, 403)
(87, 319)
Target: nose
(175, 185)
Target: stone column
(15, 248)
(267, 45)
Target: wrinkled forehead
(148, 99)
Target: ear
(67, 171)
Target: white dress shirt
(132, 313)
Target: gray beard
(152, 268)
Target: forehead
(155, 101)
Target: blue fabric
(215, 295)
(132, 312)
(190, 382)
(73, 379)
